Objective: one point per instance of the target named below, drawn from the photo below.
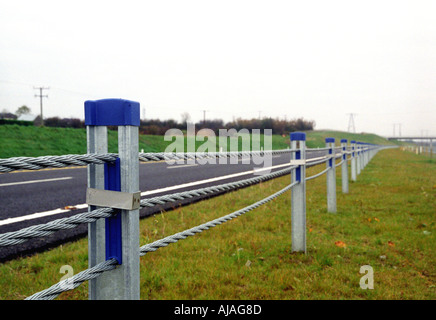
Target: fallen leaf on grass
(340, 244)
(391, 244)
(70, 208)
(310, 229)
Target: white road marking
(40, 214)
(190, 184)
(33, 181)
(182, 166)
(180, 186)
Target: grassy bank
(20, 141)
(387, 221)
(316, 138)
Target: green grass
(316, 138)
(20, 141)
(387, 221)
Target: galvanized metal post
(362, 156)
(359, 158)
(298, 193)
(353, 161)
(122, 283)
(344, 166)
(366, 155)
(128, 274)
(331, 176)
(371, 148)
(96, 143)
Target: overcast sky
(320, 60)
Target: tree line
(159, 127)
(278, 126)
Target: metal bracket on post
(298, 193)
(344, 166)
(113, 199)
(121, 240)
(112, 181)
(331, 176)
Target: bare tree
(22, 110)
(185, 117)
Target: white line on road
(190, 184)
(33, 181)
(182, 166)
(41, 214)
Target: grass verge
(21, 141)
(387, 221)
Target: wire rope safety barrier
(113, 197)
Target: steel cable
(38, 163)
(93, 272)
(205, 226)
(75, 281)
(339, 163)
(42, 230)
(318, 174)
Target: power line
(40, 95)
(351, 126)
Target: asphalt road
(36, 197)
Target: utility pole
(204, 116)
(351, 127)
(40, 95)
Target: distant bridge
(411, 138)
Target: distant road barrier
(113, 215)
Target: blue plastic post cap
(329, 140)
(298, 136)
(344, 140)
(111, 112)
(353, 141)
